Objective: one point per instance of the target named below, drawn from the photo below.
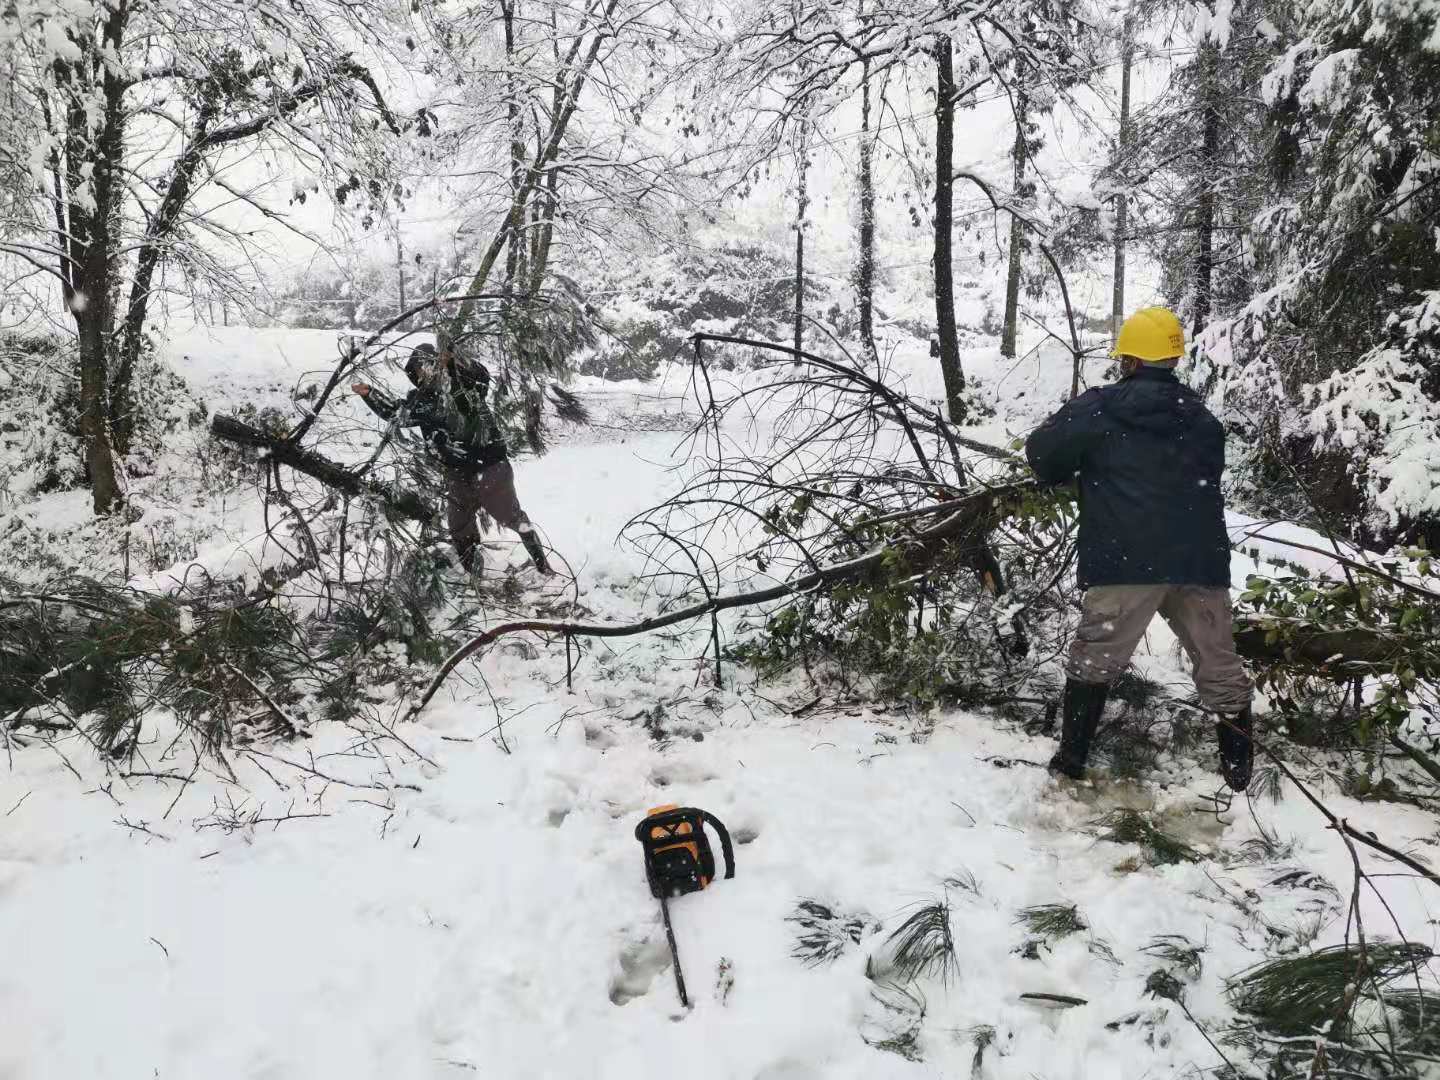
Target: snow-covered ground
(450, 900)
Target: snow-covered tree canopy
(1336, 340)
(142, 134)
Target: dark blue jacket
(1150, 456)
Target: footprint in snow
(682, 772)
(788, 1070)
(640, 962)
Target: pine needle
(1304, 994)
(567, 406)
(1268, 783)
(921, 945)
(965, 881)
(1126, 826)
(983, 1035)
(1162, 984)
(823, 934)
(1178, 951)
(1052, 921)
(1101, 949)
(896, 1029)
(1419, 1012)
(1300, 878)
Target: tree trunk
(802, 204)
(865, 266)
(102, 467)
(545, 231)
(1206, 210)
(1357, 650)
(157, 232)
(947, 337)
(1017, 236)
(62, 226)
(577, 68)
(516, 247)
(1122, 202)
(400, 272)
(92, 245)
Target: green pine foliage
(1305, 606)
(1052, 922)
(1326, 361)
(1303, 995)
(740, 290)
(925, 638)
(229, 667)
(1179, 952)
(40, 448)
(896, 1022)
(1126, 826)
(823, 934)
(920, 946)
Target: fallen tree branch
(286, 726)
(1056, 999)
(967, 517)
(1421, 759)
(1355, 650)
(875, 386)
(1346, 561)
(1339, 824)
(279, 449)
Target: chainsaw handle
(667, 820)
(725, 848)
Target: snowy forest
(445, 442)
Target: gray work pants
(1115, 618)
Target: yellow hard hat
(1152, 333)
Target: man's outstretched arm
(1057, 448)
(380, 403)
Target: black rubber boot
(1237, 751)
(535, 550)
(1084, 702)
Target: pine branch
(964, 516)
(283, 451)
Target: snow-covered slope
(464, 896)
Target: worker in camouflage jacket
(1149, 457)
(449, 407)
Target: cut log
(403, 504)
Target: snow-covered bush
(40, 447)
(1337, 349)
(39, 434)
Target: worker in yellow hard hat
(1149, 456)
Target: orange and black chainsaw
(678, 860)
